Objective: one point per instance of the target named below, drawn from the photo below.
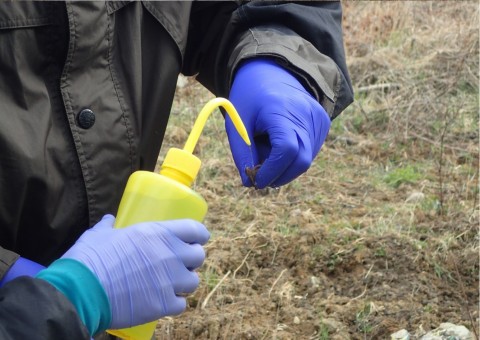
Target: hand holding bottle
(144, 268)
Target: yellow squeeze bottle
(149, 196)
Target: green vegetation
(408, 174)
(362, 319)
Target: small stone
(401, 335)
(296, 320)
(431, 336)
(332, 325)
(448, 331)
(458, 331)
(182, 81)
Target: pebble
(401, 335)
(446, 331)
(182, 81)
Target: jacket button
(86, 118)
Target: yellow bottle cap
(182, 165)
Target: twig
(384, 86)
(246, 232)
(204, 304)
(241, 264)
(359, 296)
(437, 144)
(288, 203)
(369, 270)
(476, 186)
(462, 289)
(274, 283)
(274, 252)
(441, 174)
(407, 115)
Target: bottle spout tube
(181, 164)
(205, 113)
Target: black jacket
(86, 90)
(34, 309)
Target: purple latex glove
(287, 124)
(21, 267)
(143, 268)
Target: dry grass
(382, 232)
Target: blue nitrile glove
(143, 268)
(287, 124)
(21, 267)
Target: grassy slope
(382, 232)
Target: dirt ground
(280, 290)
(354, 248)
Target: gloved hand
(21, 267)
(143, 268)
(287, 124)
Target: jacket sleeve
(7, 259)
(305, 37)
(33, 309)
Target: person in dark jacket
(93, 288)
(86, 90)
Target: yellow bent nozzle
(182, 165)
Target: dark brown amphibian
(252, 173)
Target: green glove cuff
(83, 289)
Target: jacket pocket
(24, 14)
(26, 34)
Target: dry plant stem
(368, 272)
(462, 289)
(475, 197)
(359, 296)
(274, 252)
(204, 304)
(276, 281)
(440, 171)
(378, 87)
(435, 143)
(241, 264)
